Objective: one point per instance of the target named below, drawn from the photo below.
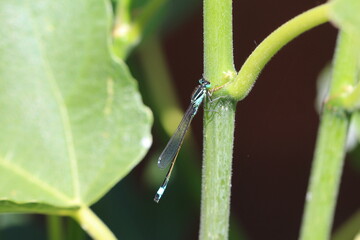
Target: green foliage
(72, 121)
(73, 124)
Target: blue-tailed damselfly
(172, 148)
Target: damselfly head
(204, 83)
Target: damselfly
(172, 148)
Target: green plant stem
(345, 91)
(127, 33)
(54, 227)
(73, 230)
(159, 86)
(216, 173)
(330, 151)
(241, 86)
(148, 12)
(352, 101)
(123, 11)
(123, 41)
(346, 66)
(92, 224)
(218, 37)
(325, 176)
(218, 124)
(350, 229)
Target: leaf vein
(62, 108)
(31, 178)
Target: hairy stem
(218, 40)
(219, 123)
(330, 149)
(216, 173)
(241, 86)
(325, 176)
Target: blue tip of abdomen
(159, 194)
